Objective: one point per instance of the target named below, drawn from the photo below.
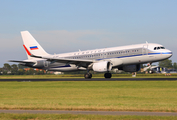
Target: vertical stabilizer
(31, 45)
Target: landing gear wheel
(107, 75)
(88, 75)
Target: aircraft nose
(169, 53)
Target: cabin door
(104, 54)
(145, 50)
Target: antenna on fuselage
(146, 42)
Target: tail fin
(31, 45)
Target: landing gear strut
(88, 75)
(150, 71)
(107, 75)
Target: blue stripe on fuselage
(138, 55)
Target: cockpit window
(157, 48)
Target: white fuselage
(118, 56)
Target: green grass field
(90, 95)
(174, 75)
(8, 116)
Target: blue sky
(68, 25)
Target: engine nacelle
(130, 68)
(102, 66)
(41, 63)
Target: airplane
(126, 58)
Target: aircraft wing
(80, 62)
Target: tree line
(19, 70)
(168, 64)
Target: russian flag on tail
(33, 48)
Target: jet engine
(102, 66)
(41, 63)
(130, 68)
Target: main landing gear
(107, 75)
(88, 75)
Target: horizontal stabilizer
(20, 61)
